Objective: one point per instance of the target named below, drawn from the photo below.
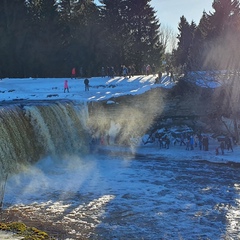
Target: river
(112, 197)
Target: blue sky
(170, 11)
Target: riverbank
(178, 152)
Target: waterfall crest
(30, 132)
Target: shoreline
(175, 152)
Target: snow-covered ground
(100, 88)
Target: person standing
(222, 147)
(153, 69)
(159, 76)
(191, 142)
(229, 144)
(182, 140)
(148, 69)
(86, 82)
(200, 141)
(125, 71)
(66, 86)
(171, 76)
(74, 72)
(81, 72)
(103, 72)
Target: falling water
(30, 132)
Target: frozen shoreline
(177, 152)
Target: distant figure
(171, 76)
(81, 72)
(229, 144)
(86, 82)
(191, 142)
(74, 73)
(205, 143)
(112, 72)
(66, 86)
(156, 80)
(200, 141)
(222, 147)
(103, 72)
(182, 140)
(159, 76)
(167, 69)
(188, 143)
(217, 151)
(125, 71)
(167, 142)
(129, 71)
(153, 69)
(148, 69)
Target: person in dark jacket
(222, 147)
(229, 144)
(86, 82)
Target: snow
(100, 88)
(89, 193)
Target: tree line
(47, 38)
(213, 43)
(213, 46)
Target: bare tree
(168, 38)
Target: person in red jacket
(74, 72)
(66, 86)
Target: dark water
(123, 198)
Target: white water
(108, 197)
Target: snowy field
(100, 88)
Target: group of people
(125, 71)
(159, 77)
(190, 141)
(162, 140)
(66, 86)
(148, 69)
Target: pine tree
(145, 30)
(82, 47)
(45, 38)
(14, 31)
(225, 17)
(223, 36)
(133, 31)
(185, 37)
(199, 46)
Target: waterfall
(30, 132)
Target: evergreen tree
(80, 24)
(133, 32)
(185, 37)
(45, 38)
(14, 31)
(223, 36)
(199, 46)
(145, 30)
(225, 17)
